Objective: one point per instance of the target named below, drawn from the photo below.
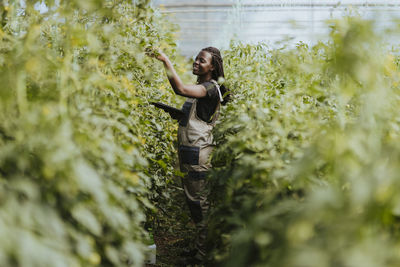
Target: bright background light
(204, 23)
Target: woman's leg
(198, 205)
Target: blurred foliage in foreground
(78, 139)
(307, 167)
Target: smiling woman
(195, 138)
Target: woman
(195, 138)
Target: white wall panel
(205, 23)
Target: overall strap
(219, 91)
(216, 113)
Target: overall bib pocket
(189, 154)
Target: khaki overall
(196, 143)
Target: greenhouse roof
(205, 23)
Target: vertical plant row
(78, 139)
(307, 161)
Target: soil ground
(173, 230)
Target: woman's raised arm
(188, 90)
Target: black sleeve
(206, 105)
(212, 91)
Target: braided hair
(218, 71)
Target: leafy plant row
(306, 168)
(78, 138)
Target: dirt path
(173, 230)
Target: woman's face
(202, 65)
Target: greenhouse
(272, 22)
(226, 133)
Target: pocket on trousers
(189, 155)
(197, 175)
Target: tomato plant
(307, 156)
(82, 153)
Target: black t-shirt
(206, 105)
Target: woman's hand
(158, 54)
(161, 56)
(195, 90)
